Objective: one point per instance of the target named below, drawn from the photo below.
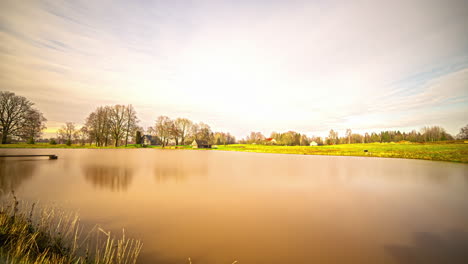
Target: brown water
(217, 207)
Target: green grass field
(448, 151)
(455, 151)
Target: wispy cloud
(243, 65)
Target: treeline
(292, 138)
(182, 131)
(106, 126)
(119, 125)
(427, 134)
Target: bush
(31, 141)
(68, 143)
(52, 142)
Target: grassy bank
(454, 151)
(30, 235)
(439, 151)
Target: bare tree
(131, 122)
(304, 140)
(194, 130)
(255, 138)
(463, 133)
(117, 123)
(67, 132)
(349, 133)
(33, 126)
(82, 135)
(98, 126)
(162, 129)
(230, 139)
(183, 126)
(435, 133)
(14, 112)
(223, 138)
(291, 138)
(204, 132)
(332, 137)
(175, 133)
(317, 140)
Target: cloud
(242, 65)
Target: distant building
(313, 143)
(200, 144)
(270, 141)
(147, 140)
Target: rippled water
(217, 207)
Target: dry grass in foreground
(30, 235)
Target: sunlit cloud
(243, 66)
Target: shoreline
(438, 151)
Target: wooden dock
(27, 156)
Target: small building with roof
(197, 143)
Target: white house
(313, 143)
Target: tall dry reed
(31, 234)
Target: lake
(217, 207)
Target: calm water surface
(217, 207)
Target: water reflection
(390, 171)
(164, 174)
(431, 248)
(217, 207)
(178, 171)
(13, 173)
(106, 177)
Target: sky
(242, 65)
